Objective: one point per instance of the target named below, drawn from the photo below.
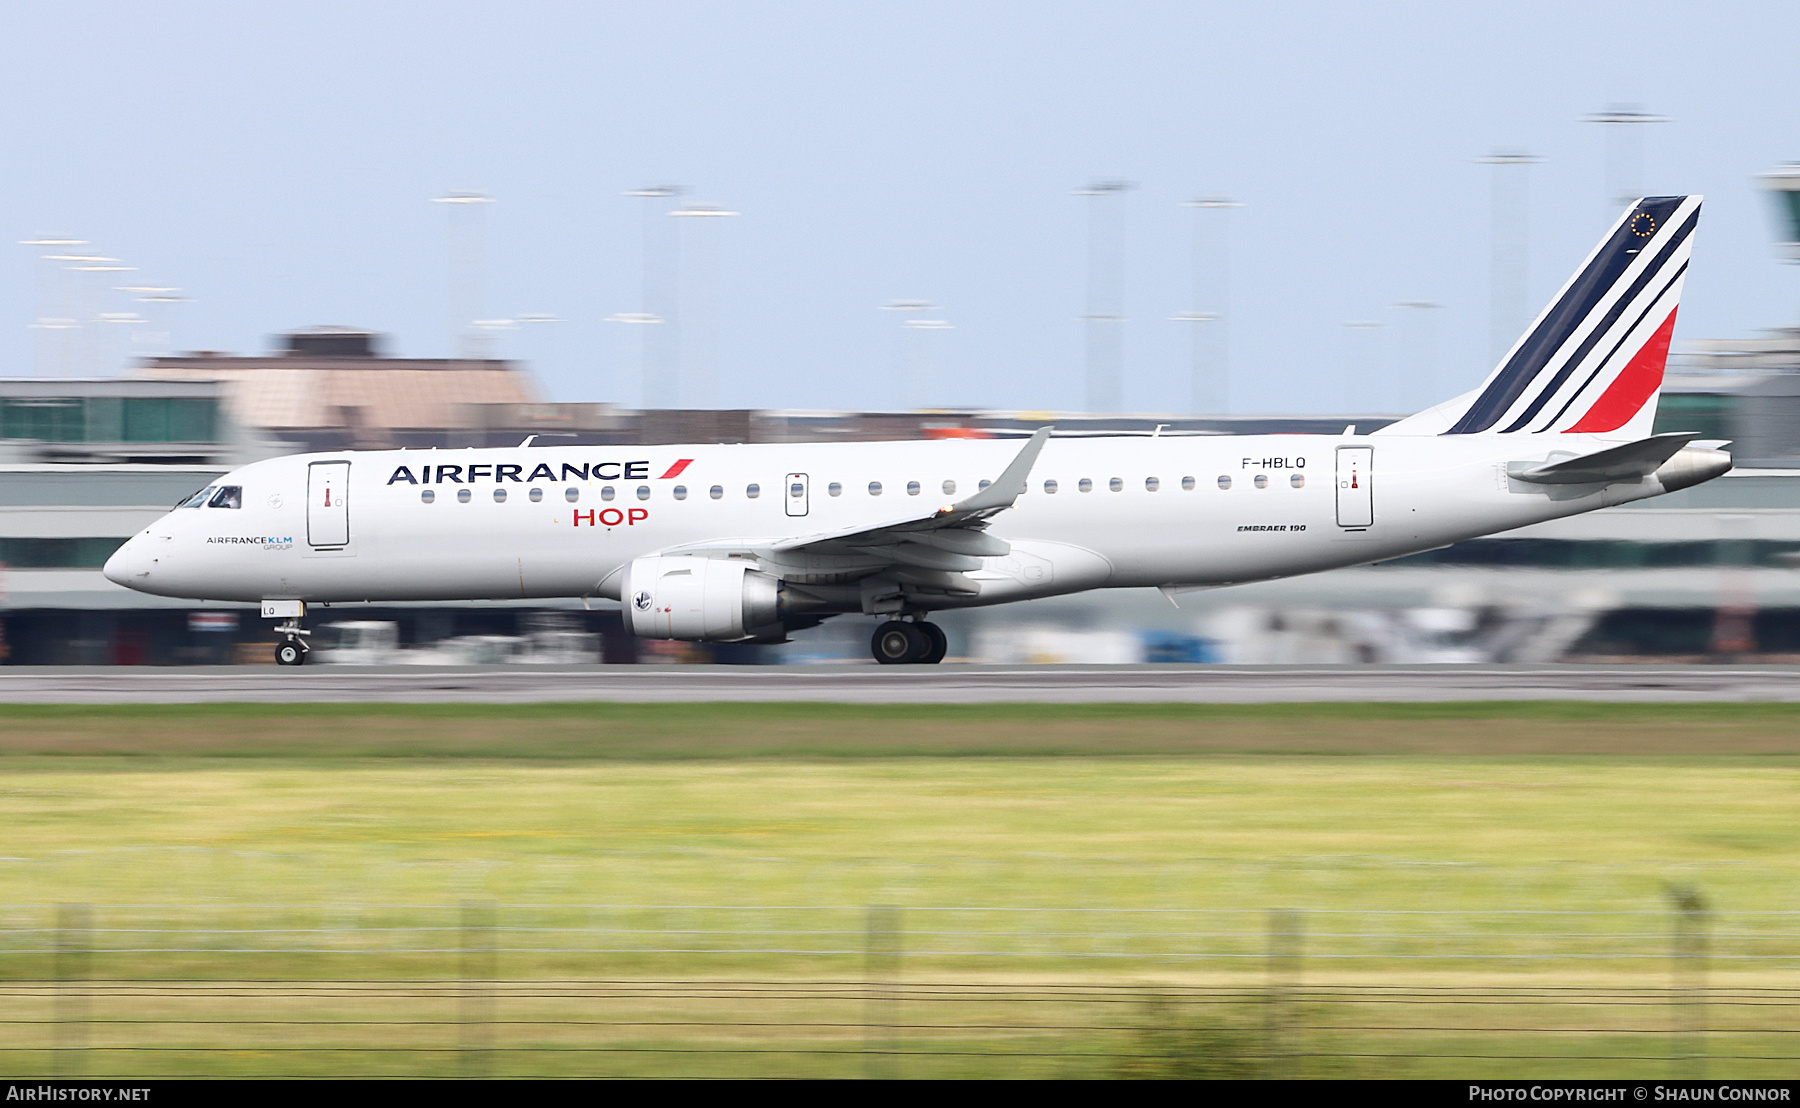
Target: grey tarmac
(870, 684)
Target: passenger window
(1085, 484)
(874, 488)
(716, 491)
(200, 497)
(1261, 481)
(1187, 484)
(681, 492)
(1050, 487)
(753, 491)
(1151, 484)
(499, 496)
(1117, 484)
(984, 483)
(643, 492)
(571, 494)
(835, 489)
(949, 488)
(1298, 480)
(427, 495)
(606, 492)
(228, 496)
(462, 496)
(912, 488)
(1225, 481)
(796, 490)
(536, 495)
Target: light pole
(1210, 375)
(155, 341)
(698, 355)
(53, 314)
(90, 306)
(134, 321)
(662, 344)
(488, 328)
(1624, 152)
(1365, 362)
(642, 346)
(1105, 301)
(908, 362)
(1508, 245)
(530, 322)
(466, 258)
(926, 382)
(1418, 380)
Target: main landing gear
(898, 643)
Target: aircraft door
(796, 494)
(1355, 493)
(328, 504)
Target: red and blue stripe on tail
(1592, 362)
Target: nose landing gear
(898, 643)
(292, 650)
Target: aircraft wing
(951, 539)
(967, 516)
(1618, 463)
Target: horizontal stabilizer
(1630, 462)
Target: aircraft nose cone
(119, 567)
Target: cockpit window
(228, 496)
(199, 498)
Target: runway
(869, 684)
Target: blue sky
(275, 162)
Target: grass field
(1099, 847)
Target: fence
(696, 990)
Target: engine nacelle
(700, 599)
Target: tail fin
(1592, 362)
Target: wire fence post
(1285, 933)
(475, 998)
(881, 979)
(72, 965)
(1688, 979)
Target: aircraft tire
(290, 653)
(897, 643)
(940, 645)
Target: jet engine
(702, 599)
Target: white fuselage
(1156, 511)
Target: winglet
(1010, 484)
